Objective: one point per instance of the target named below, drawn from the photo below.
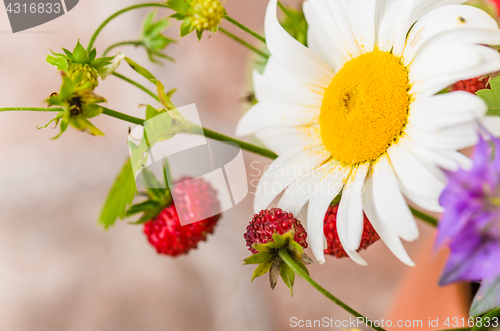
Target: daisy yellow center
(365, 108)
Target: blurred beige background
(60, 272)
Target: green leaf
(80, 54)
(156, 190)
(144, 206)
(492, 97)
(262, 269)
(141, 70)
(119, 197)
(487, 321)
(487, 298)
(288, 276)
(258, 258)
(295, 248)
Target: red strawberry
(267, 222)
(166, 233)
(471, 85)
(332, 237)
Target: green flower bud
(89, 76)
(206, 14)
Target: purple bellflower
(470, 225)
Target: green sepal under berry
(82, 62)
(268, 259)
(78, 104)
(152, 37)
(159, 196)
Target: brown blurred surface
(60, 272)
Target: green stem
(139, 86)
(30, 109)
(208, 133)
(299, 271)
(244, 43)
(118, 13)
(123, 117)
(246, 146)
(122, 43)
(244, 28)
(424, 217)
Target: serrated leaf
(492, 97)
(119, 197)
(487, 298)
(258, 258)
(142, 207)
(288, 276)
(487, 321)
(141, 70)
(262, 269)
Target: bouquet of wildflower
(365, 108)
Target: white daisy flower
(357, 112)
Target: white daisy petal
(326, 191)
(439, 67)
(453, 18)
(394, 26)
(419, 182)
(363, 16)
(492, 124)
(452, 138)
(449, 160)
(331, 31)
(281, 140)
(445, 110)
(296, 58)
(276, 115)
(286, 169)
(299, 192)
(350, 220)
(277, 89)
(390, 203)
(389, 237)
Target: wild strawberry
(334, 247)
(195, 197)
(267, 222)
(471, 85)
(276, 238)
